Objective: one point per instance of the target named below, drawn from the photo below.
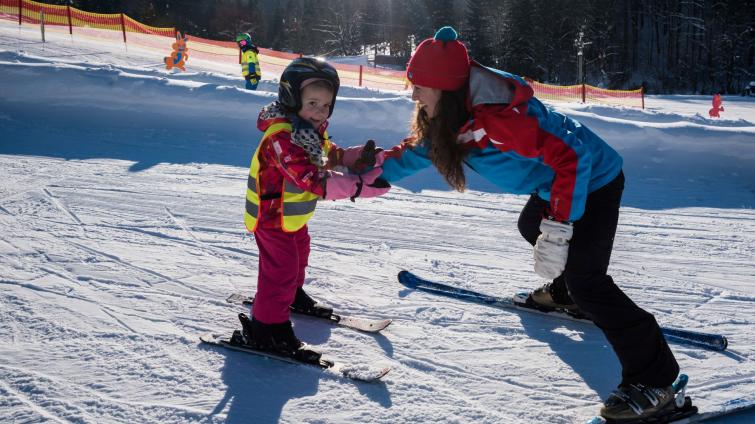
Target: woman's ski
(704, 340)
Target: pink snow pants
(282, 260)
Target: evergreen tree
(408, 26)
(440, 13)
(275, 34)
(479, 29)
(375, 26)
(519, 56)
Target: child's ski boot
(278, 339)
(303, 304)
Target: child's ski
(362, 372)
(361, 324)
(707, 341)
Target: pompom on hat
(440, 62)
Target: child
(250, 65)
(490, 121)
(291, 170)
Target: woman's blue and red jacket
(521, 146)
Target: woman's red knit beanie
(440, 62)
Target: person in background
(489, 120)
(250, 64)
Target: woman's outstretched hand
(360, 158)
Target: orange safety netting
(117, 24)
(203, 48)
(349, 74)
(31, 12)
(275, 61)
(614, 97)
(587, 93)
(138, 27)
(148, 36)
(89, 24)
(558, 93)
(385, 78)
(365, 76)
(9, 9)
(82, 19)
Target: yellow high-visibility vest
(249, 63)
(298, 205)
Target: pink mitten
(350, 186)
(351, 155)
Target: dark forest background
(670, 46)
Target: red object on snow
(717, 107)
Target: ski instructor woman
(487, 119)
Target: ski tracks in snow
(62, 207)
(111, 260)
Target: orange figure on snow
(717, 106)
(178, 57)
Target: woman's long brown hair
(440, 133)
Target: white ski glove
(552, 248)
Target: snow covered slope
(121, 234)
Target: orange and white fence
(120, 27)
(585, 93)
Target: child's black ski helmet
(300, 70)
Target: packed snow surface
(121, 200)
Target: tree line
(668, 46)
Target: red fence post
(123, 26)
(583, 93)
(360, 75)
(642, 92)
(20, 10)
(70, 25)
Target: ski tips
(379, 325)
(407, 279)
(210, 338)
(364, 372)
(716, 342)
